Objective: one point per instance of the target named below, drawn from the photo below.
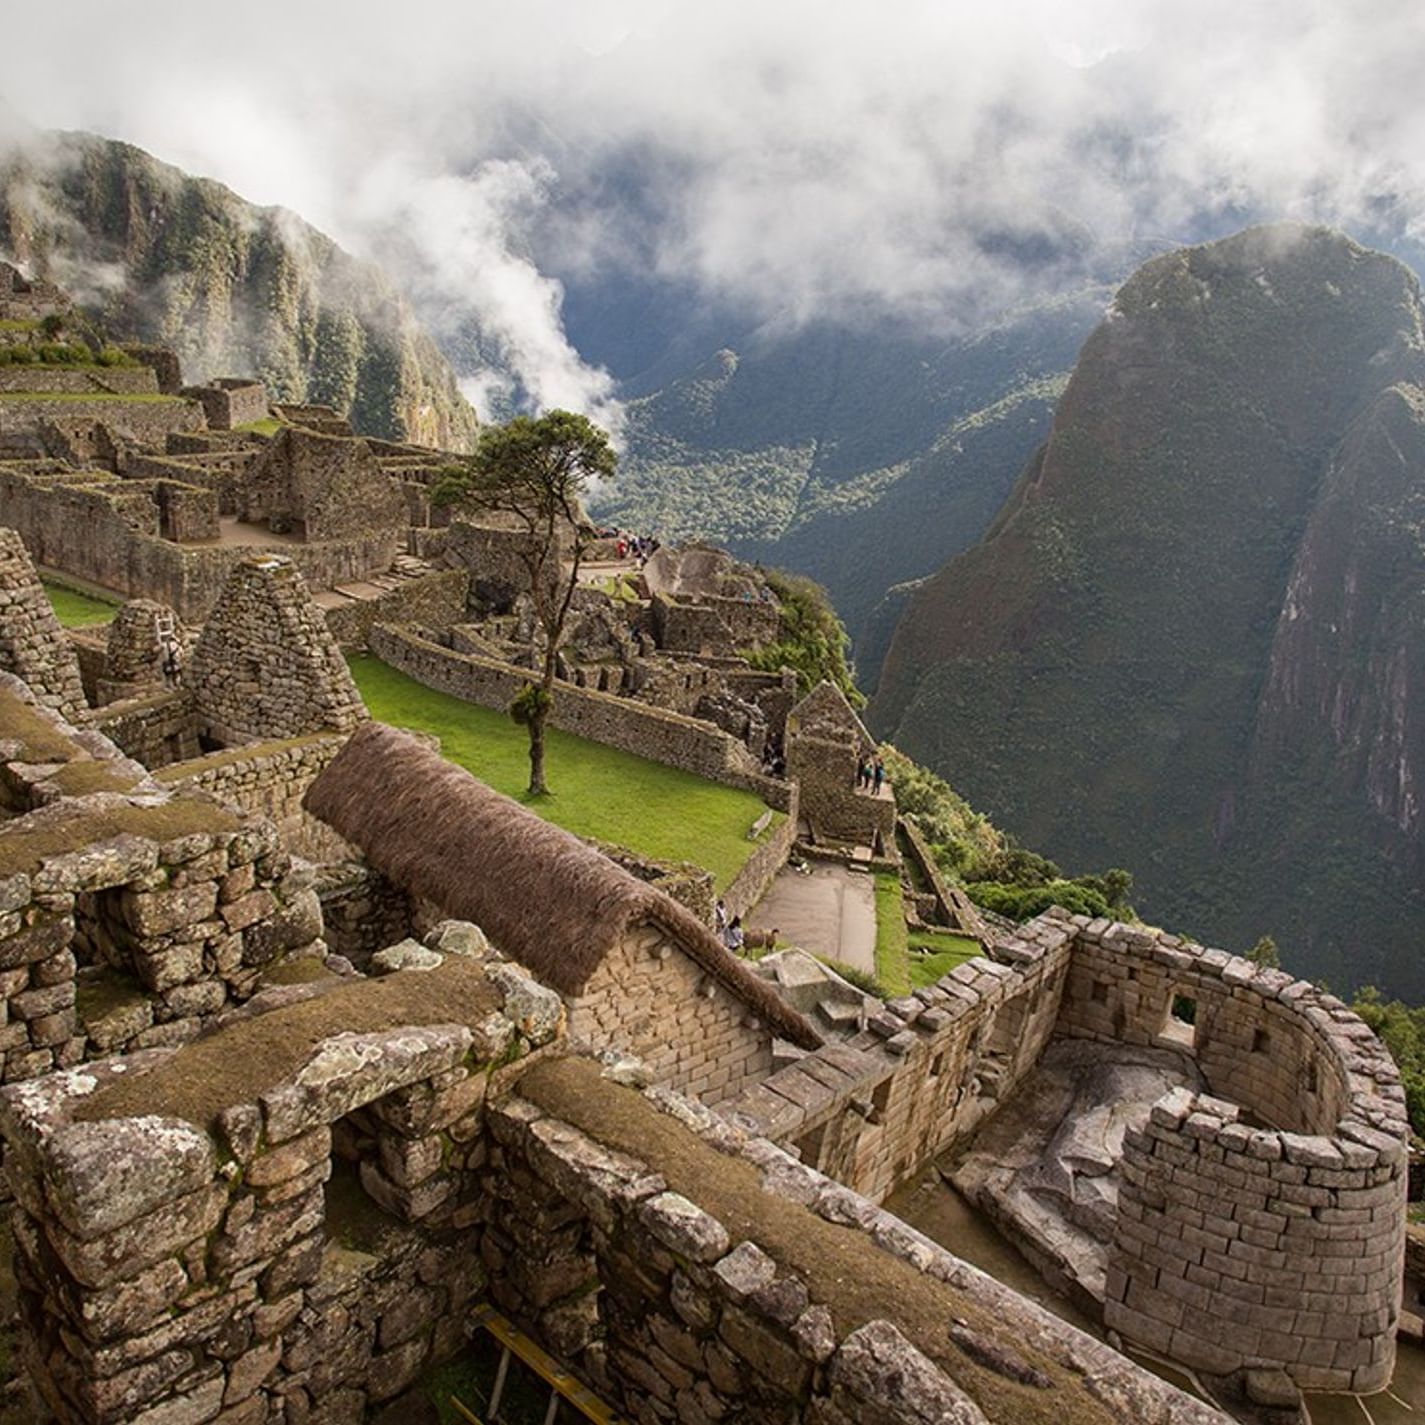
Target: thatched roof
(543, 896)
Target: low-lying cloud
(925, 160)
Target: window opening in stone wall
(1261, 1041)
(1309, 1078)
(809, 1146)
(880, 1100)
(1098, 992)
(354, 1219)
(1180, 1026)
(937, 1066)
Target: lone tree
(535, 469)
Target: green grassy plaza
(599, 791)
(77, 610)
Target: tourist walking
(879, 775)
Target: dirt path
(830, 912)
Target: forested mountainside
(158, 255)
(863, 458)
(1193, 641)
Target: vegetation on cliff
(812, 641)
(1193, 636)
(997, 873)
(159, 256)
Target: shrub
(812, 641)
(114, 356)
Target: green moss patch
(42, 741)
(98, 995)
(842, 1267)
(80, 779)
(25, 849)
(304, 970)
(239, 1063)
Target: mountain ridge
(162, 256)
(1096, 674)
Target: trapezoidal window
(1180, 1024)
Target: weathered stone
(879, 1378)
(406, 955)
(684, 1228)
(102, 1175)
(458, 937)
(351, 1069)
(536, 1011)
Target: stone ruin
(166, 786)
(293, 1217)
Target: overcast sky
(799, 159)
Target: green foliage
(866, 983)
(1265, 954)
(51, 325)
(1402, 1029)
(812, 640)
(964, 842)
(535, 466)
(1025, 902)
(604, 793)
(529, 703)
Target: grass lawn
(933, 954)
(270, 426)
(892, 957)
(599, 791)
(77, 610)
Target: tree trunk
(537, 786)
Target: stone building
(638, 971)
(32, 643)
(320, 488)
(266, 665)
(231, 401)
(825, 743)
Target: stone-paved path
(830, 912)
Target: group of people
(870, 774)
(641, 547)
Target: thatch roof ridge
(544, 897)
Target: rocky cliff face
(1193, 642)
(160, 256)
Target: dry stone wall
(33, 646)
(925, 1072)
(673, 1311)
(650, 1000)
(128, 917)
(265, 665)
(1274, 1203)
(154, 730)
(269, 779)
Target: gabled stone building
(638, 972)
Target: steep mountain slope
(1193, 642)
(862, 458)
(160, 256)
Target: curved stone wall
(1262, 1224)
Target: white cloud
(799, 158)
